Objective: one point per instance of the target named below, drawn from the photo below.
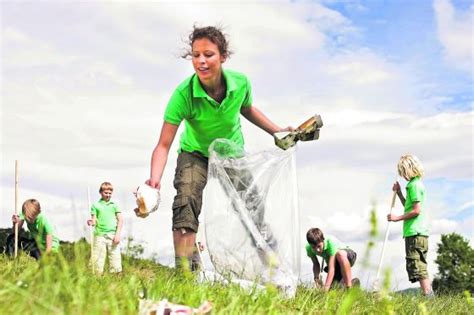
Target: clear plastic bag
(251, 218)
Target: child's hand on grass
(319, 283)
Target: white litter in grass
(163, 307)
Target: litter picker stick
(387, 232)
(245, 218)
(321, 271)
(91, 228)
(16, 207)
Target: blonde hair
(106, 186)
(410, 166)
(31, 208)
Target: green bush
(455, 265)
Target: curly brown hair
(214, 34)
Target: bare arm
(396, 187)
(331, 271)
(257, 118)
(316, 270)
(116, 239)
(415, 211)
(160, 154)
(49, 242)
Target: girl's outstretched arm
(160, 154)
(256, 117)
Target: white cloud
(466, 206)
(442, 226)
(21, 50)
(455, 33)
(361, 72)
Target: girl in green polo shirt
(210, 102)
(415, 230)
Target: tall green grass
(64, 284)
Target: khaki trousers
(103, 245)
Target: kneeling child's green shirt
(330, 248)
(39, 229)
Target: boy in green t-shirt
(415, 230)
(107, 219)
(339, 259)
(39, 226)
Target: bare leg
(425, 285)
(345, 266)
(184, 243)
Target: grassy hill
(63, 284)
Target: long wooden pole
(16, 207)
(387, 232)
(91, 230)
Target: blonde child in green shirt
(107, 219)
(415, 230)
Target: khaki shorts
(189, 180)
(416, 249)
(351, 256)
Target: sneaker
(430, 295)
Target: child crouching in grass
(415, 228)
(339, 259)
(42, 231)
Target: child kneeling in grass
(339, 259)
(40, 228)
(415, 228)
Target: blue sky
(85, 84)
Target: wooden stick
(16, 207)
(387, 232)
(91, 230)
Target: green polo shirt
(39, 229)
(415, 192)
(206, 120)
(106, 217)
(330, 248)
